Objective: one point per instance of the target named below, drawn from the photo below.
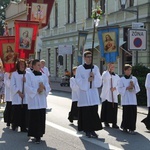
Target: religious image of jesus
(109, 42)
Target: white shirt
(127, 97)
(36, 100)
(88, 96)
(16, 84)
(29, 70)
(106, 93)
(75, 89)
(8, 96)
(147, 85)
(45, 71)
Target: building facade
(69, 16)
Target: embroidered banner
(7, 53)
(82, 35)
(109, 43)
(25, 39)
(39, 10)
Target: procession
(87, 82)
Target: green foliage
(3, 5)
(140, 72)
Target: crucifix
(27, 8)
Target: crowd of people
(27, 88)
(85, 98)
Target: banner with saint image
(25, 39)
(82, 36)
(39, 10)
(8, 54)
(109, 43)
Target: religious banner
(109, 43)
(7, 53)
(82, 35)
(25, 39)
(39, 10)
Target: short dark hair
(127, 66)
(87, 52)
(35, 61)
(18, 63)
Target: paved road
(61, 135)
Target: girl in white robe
(37, 89)
(109, 96)
(19, 102)
(146, 120)
(8, 99)
(73, 114)
(128, 88)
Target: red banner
(25, 38)
(39, 10)
(7, 53)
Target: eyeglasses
(88, 56)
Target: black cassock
(146, 120)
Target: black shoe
(88, 134)
(8, 124)
(70, 120)
(37, 140)
(115, 126)
(131, 132)
(24, 130)
(125, 130)
(94, 134)
(106, 124)
(14, 127)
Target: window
(56, 14)
(89, 8)
(49, 55)
(102, 4)
(74, 11)
(131, 3)
(68, 20)
(56, 61)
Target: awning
(88, 45)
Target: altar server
(8, 100)
(146, 120)
(73, 114)
(88, 102)
(109, 96)
(128, 87)
(37, 89)
(29, 68)
(19, 103)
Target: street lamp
(135, 11)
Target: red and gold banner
(39, 10)
(7, 53)
(25, 38)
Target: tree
(3, 5)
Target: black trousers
(129, 117)
(89, 119)
(109, 112)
